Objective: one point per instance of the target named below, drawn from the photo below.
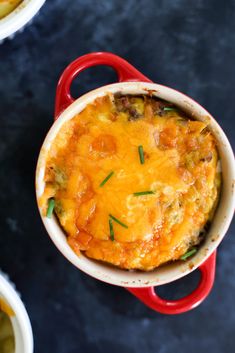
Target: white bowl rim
(18, 18)
(20, 321)
(166, 273)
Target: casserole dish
(21, 326)
(141, 284)
(19, 17)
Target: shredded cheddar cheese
(164, 199)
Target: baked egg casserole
(7, 339)
(7, 6)
(133, 181)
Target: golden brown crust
(7, 6)
(180, 168)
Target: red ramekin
(141, 284)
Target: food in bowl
(7, 340)
(7, 6)
(133, 181)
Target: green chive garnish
(117, 221)
(169, 109)
(106, 179)
(141, 193)
(188, 254)
(141, 154)
(51, 205)
(111, 229)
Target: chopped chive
(51, 206)
(106, 179)
(169, 109)
(141, 193)
(188, 254)
(141, 154)
(111, 229)
(117, 221)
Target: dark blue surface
(188, 45)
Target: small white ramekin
(20, 322)
(18, 18)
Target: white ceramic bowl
(20, 322)
(18, 18)
(221, 220)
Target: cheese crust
(164, 202)
(7, 6)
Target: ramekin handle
(125, 72)
(149, 297)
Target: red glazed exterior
(149, 297)
(127, 73)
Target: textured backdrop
(188, 45)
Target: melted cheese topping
(7, 340)
(7, 6)
(180, 169)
